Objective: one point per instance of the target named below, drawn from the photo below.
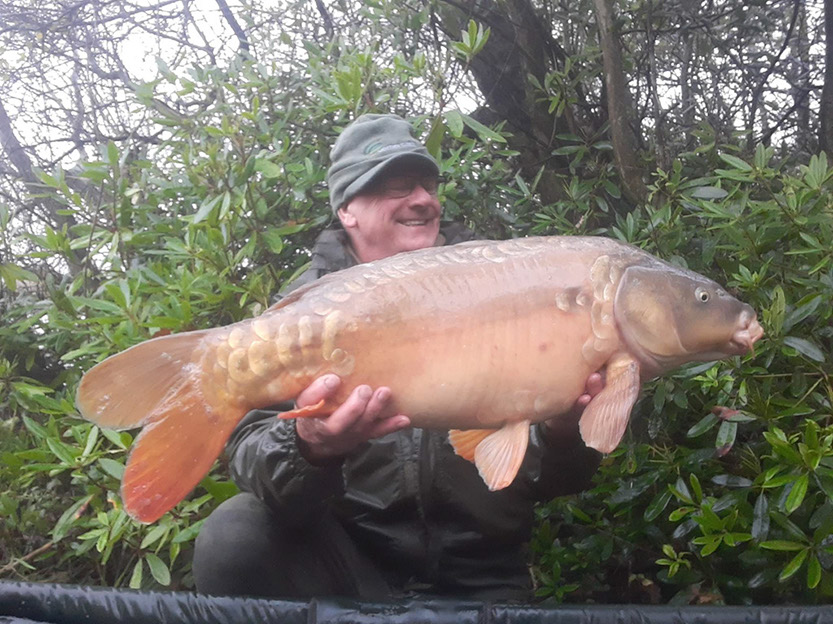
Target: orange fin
(157, 384)
(175, 450)
(605, 419)
(322, 409)
(497, 454)
(498, 457)
(123, 390)
(464, 442)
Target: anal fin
(465, 442)
(605, 419)
(498, 454)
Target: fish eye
(702, 295)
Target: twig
(12, 564)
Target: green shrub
(724, 491)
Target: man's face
(399, 213)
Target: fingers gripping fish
(482, 338)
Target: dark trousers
(244, 549)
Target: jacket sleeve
(264, 459)
(563, 467)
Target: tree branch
(235, 26)
(619, 107)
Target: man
(359, 503)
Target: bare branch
(235, 26)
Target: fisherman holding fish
(427, 399)
(360, 503)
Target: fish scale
(482, 339)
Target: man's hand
(366, 414)
(564, 428)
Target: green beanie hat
(365, 149)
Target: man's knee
(236, 550)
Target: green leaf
(68, 518)
(760, 518)
(788, 525)
(36, 429)
(11, 274)
(112, 467)
(61, 451)
(797, 493)
(92, 438)
(657, 506)
(268, 168)
(735, 162)
(782, 545)
(777, 310)
(726, 435)
(224, 207)
(121, 439)
(710, 544)
(136, 576)
(481, 130)
(680, 513)
(188, 533)
(158, 569)
(154, 535)
(813, 572)
(708, 192)
(435, 138)
(219, 490)
(805, 348)
(793, 566)
(612, 189)
(205, 209)
(702, 426)
(696, 488)
(735, 481)
(454, 121)
(741, 417)
(274, 240)
(113, 155)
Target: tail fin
(157, 385)
(174, 451)
(122, 391)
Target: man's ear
(347, 218)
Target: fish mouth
(744, 339)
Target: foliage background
(181, 190)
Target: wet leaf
(760, 518)
(805, 348)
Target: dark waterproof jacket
(422, 513)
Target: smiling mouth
(415, 222)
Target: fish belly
(468, 339)
(492, 373)
(473, 348)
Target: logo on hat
(372, 148)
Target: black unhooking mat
(35, 603)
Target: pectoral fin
(322, 409)
(605, 419)
(497, 454)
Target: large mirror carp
(481, 338)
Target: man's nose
(421, 196)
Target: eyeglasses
(402, 186)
